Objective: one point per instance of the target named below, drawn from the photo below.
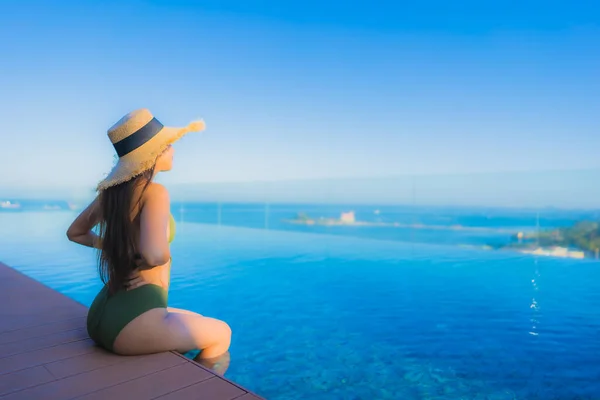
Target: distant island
(578, 241)
(36, 205)
(581, 240)
(349, 219)
(345, 219)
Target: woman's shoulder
(155, 192)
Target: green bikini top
(171, 228)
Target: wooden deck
(45, 353)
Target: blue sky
(304, 90)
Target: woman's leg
(181, 311)
(218, 364)
(159, 330)
(209, 335)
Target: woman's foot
(218, 365)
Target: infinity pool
(331, 317)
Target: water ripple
(343, 318)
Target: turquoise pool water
(333, 317)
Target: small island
(581, 240)
(349, 219)
(37, 205)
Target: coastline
(334, 222)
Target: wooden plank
(154, 385)
(210, 389)
(45, 356)
(29, 291)
(96, 359)
(39, 308)
(28, 321)
(42, 330)
(37, 343)
(23, 379)
(212, 373)
(13, 323)
(32, 303)
(88, 382)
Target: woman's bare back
(158, 275)
(163, 329)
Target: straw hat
(139, 139)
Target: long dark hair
(117, 257)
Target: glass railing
(550, 213)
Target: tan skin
(160, 329)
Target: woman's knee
(226, 331)
(206, 331)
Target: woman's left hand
(157, 276)
(135, 280)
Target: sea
(363, 312)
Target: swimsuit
(109, 314)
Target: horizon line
(341, 178)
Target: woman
(130, 315)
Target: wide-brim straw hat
(139, 138)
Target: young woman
(130, 315)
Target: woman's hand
(135, 280)
(80, 230)
(158, 276)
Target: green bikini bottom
(109, 314)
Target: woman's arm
(154, 222)
(80, 230)
(154, 263)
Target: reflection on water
(218, 365)
(535, 308)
